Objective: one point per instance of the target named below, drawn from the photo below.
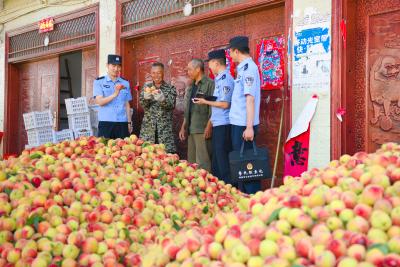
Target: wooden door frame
(338, 80)
(11, 85)
(349, 11)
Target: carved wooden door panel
(373, 100)
(89, 72)
(28, 102)
(176, 48)
(38, 91)
(48, 80)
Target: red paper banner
(230, 65)
(297, 144)
(46, 25)
(344, 32)
(296, 154)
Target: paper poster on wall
(312, 51)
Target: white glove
(159, 97)
(147, 95)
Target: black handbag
(250, 164)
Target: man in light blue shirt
(221, 141)
(112, 94)
(244, 115)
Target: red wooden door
(38, 88)
(89, 72)
(176, 48)
(373, 59)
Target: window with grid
(138, 14)
(68, 33)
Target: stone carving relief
(385, 91)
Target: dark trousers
(221, 146)
(113, 130)
(249, 187)
(135, 122)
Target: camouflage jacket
(158, 117)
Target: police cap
(239, 42)
(216, 54)
(114, 59)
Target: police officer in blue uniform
(112, 93)
(244, 115)
(221, 140)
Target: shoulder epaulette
(246, 66)
(223, 77)
(123, 78)
(99, 78)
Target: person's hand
(208, 131)
(155, 91)
(159, 97)
(147, 95)
(130, 127)
(182, 134)
(248, 134)
(199, 101)
(118, 89)
(92, 101)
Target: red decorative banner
(297, 144)
(230, 65)
(344, 32)
(46, 25)
(296, 154)
(270, 62)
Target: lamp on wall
(187, 9)
(46, 40)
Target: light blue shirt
(115, 110)
(224, 84)
(246, 83)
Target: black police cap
(216, 54)
(114, 59)
(239, 42)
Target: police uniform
(113, 120)
(247, 82)
(221, 139)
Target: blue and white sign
(311, 41)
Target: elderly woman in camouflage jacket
(158, 101)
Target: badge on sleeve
(226, 90)
(249, 80)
